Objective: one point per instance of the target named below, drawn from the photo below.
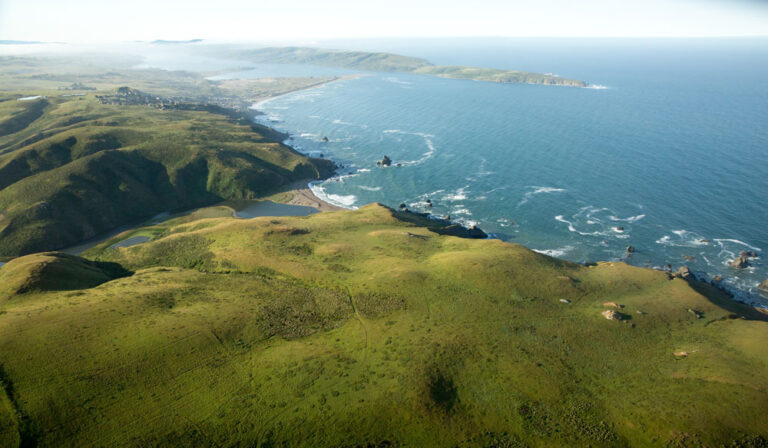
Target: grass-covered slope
(81, 167)
(355, 328)
(388, 62)
(54, 272)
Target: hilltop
(388, 62)
(364, 328)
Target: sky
(101, 21)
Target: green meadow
(365, 329)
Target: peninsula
(388, 62)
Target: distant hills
(175, 42)
(389, 62)
(21, 42)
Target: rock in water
(684, 273)
(325, 139)
(630, 249)
(386, 161)
(741, 262)
(764, 285)
(719, 278)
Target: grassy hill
(388, 62)
(363, 328)
(71, 167)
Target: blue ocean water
(671, 156)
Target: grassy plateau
(363, 328)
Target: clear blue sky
(254, 20)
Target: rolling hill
(72, 167)
(365, 329)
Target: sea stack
(741, 262)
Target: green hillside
(72, 167)
(364, 329)
(388, 62)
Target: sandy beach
(298, 193)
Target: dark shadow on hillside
(726, 301)
(437, 225)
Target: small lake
(256, 209)
(132, 241)
(243, 210)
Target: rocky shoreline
(445, 226)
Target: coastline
(257, 101)
(299, 193)
(307, 195)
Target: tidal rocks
(618, 228)
(386, 161)
(741, 262)
(719, 278)
(429, 203)
(325, 139)
(764, 285)
(684, 273)
(630, 249)
(403, 206)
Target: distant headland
(389, 62)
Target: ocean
(668, 153)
